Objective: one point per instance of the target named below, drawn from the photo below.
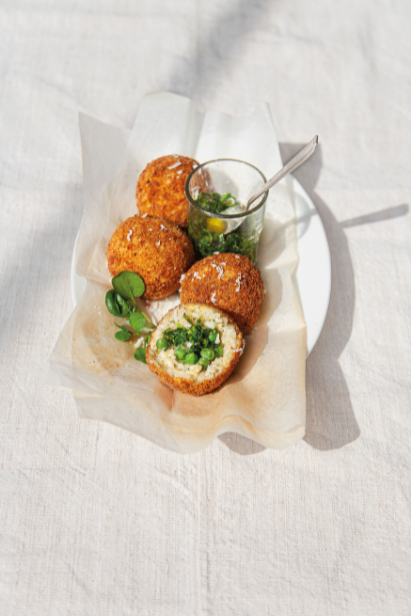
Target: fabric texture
(96, 520)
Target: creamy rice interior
(211, 319)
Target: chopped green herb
(208, 235)
(216, 203)
(196, 344)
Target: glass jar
(213, 231)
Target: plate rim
(322, 246)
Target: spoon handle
(295, 162)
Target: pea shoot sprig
(121, 302)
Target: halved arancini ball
(156, 249)
(160, 188)
(227, 281)
(194, 348)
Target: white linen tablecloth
(95, 520)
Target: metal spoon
(295, 162)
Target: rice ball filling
(196, 345)
(177, 340)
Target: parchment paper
(264, 399)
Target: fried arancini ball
(156, 249)
(193, 378)
(160, 188)
(229, 282)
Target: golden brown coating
(156, 249)
(160, 188)
(229, 282)
(192, 379)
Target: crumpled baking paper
(264, 399)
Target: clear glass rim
(225, 216)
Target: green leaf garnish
(123, 304)
(116, 305)
(140, 355)
(129, 285)
(123, 335)
(137, 321)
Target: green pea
(191, 358)
(219, 351)
(207, 354)
(180, 352)
(162, 344)
(212, 336)
(203, 362)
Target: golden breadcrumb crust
(229, 282)
(189, 385)
(156, 249)
(160, 188)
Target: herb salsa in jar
(211, 226)
(210, 235)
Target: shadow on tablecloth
(331, 421)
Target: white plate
(313, 275)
